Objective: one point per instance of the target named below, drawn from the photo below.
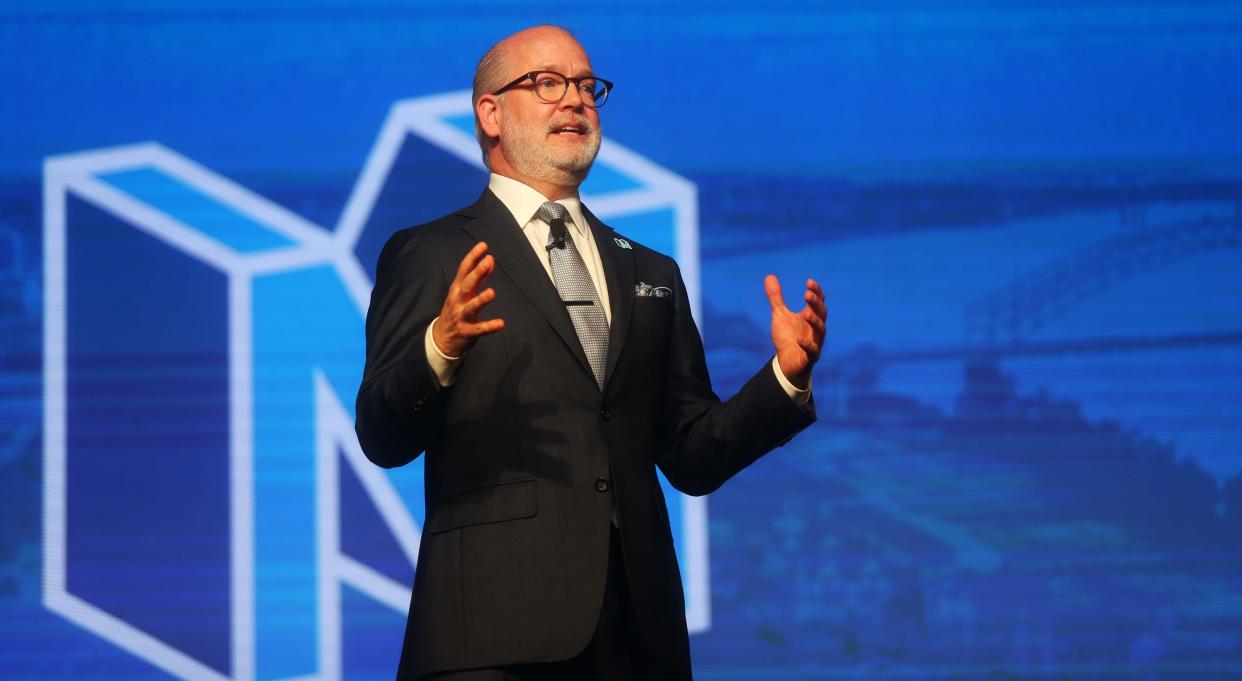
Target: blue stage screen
(1027, 217)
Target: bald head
(499, 65)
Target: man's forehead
(548, 49)
(581, 69)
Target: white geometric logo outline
(425, 118)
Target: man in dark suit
(547, 366)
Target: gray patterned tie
(577, 290)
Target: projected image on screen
(1028, 455)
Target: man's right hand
(458, 327)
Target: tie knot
(551, 211)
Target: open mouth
(570, 131)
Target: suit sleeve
(400, 406)
(704, 441)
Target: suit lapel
(492, 222)
(619, 274)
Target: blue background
(1027, 216)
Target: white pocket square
(645, 290)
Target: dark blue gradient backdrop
(1027, 217)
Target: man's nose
(573, 97)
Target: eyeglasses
(551, 87)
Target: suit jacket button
(601, 485)
(603, 414)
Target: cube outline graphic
(312, 245)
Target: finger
(475, 277)
(772, 286)
(472, 306)
(472, 258)
(482, 328)
(817, 306)
(815, 298)
(467, 265)
(816, 322)
(813, 309)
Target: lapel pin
(622, 243)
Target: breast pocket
(652, 313)
(491, 504)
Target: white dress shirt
(524, 202)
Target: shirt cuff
(799, 397)
(444, 366)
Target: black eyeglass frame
(531, 76)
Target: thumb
(772, 286)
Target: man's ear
(488, 111)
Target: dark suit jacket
(515, 548)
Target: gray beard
(532, 157)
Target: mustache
(580, 122)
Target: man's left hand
(797, 336)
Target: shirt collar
(523, 201)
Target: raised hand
(458, 327)
(797, 336)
